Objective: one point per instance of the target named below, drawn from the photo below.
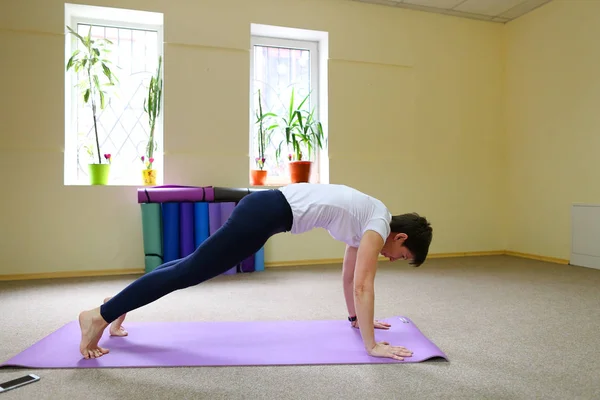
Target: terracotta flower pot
(258, 177)
(300, 171)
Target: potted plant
(258, 176)
(152, 107)
(305, 134)
(92, 61)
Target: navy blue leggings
(256, 218)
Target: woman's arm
(348, 278)
(364, 297)
(364, 285)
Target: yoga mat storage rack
(177, 219)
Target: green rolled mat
(152, 234)
(153, 262)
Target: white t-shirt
(344, 212)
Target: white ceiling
(500, 11)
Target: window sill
(267, 185)
(108, 185)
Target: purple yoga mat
(175, 193)
(189, 344)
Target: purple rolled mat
(186, 229)
(174, 193)
(226, 210)
(248, 264)
(214, 217)
(235, 343)
(218, 214)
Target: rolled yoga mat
(201, 230)
(186, 229)
(226, 210)
(215, 220)
(193, 344)
(152, 235)
(214, 217)
(174, 193)
(218, 213)
(170, 214)
(259, 260)
(248, 264)
(225, 194)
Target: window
(123, 125)
(285, 60)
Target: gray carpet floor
(512, 328)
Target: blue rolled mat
(259, 260)
(170, 214)
(152, 235)
(201, 230)
(186, 229)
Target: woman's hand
(384, 349)
(376, 324)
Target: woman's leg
(257, 217)
(167, 264)
(116, 328)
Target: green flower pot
(99, 173)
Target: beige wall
(416, 119)
(553, 123)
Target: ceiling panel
(500, 11)
(392, 3)
(487, 7)
(523, 8)
(433, 3)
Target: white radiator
(585, 235)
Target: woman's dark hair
(419, 233)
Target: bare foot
(92, 325)
(115, 328)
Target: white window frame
(289, 40)
(120, 18)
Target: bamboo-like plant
(152, 106)
(302, 130)
(92, 60)
(264, 134)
